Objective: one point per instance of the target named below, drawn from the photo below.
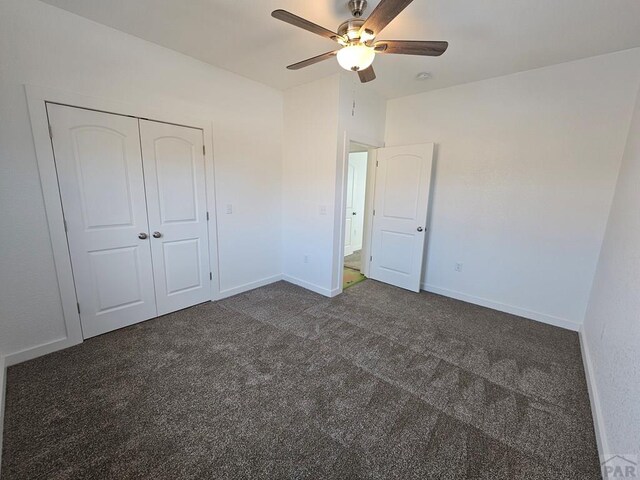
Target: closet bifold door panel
(100, 175)
(174, 172)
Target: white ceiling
(487, 38)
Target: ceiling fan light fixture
(356, 57)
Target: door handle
(420, 229)
(143, 236)
(157, 234)
(353, 213)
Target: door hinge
(210, 276)
(204, 151)
(376, 163)
(207, 216)
(78, 305)
(66, 228)
(371, 258)
(374, 212)
(50, 131)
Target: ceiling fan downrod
(357, 7)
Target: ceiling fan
(357, 37)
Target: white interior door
(348, 226)
(174, 172)
(401, 199)
(101, 182)
(358, 161)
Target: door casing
(342, 178)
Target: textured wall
(612, 324)
(525, 173)
(310, 147)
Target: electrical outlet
(306, 259)
(323, 209)
(229, 208)
(458, 267)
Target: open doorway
(385, 238)
(355, 202)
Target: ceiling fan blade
(312, 60)
(297, 21)
(382, 15)
(367, 74)
(411, 47)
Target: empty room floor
(351, 277)
(280, 382)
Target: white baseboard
(39, 350)
(596, 409)
(502, 307)
(61, 343)
(230, 292)
(335, 292)
(311, 286)
(3, 382)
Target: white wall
(362, 112)
(42, 45)
(3, 372)
(525, 171)
(319, 120)
(611, 330)
(309, 170)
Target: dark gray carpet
(282, 383)
(354, 260)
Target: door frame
(37, 97)
(368, 204)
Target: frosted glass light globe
(356, 57)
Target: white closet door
(174, 171)
(101, 182)
(400, 214)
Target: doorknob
(420, 229)
(157, 234)
(353, 213)
(143, 236)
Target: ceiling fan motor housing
(357, 7)
(351, 29)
